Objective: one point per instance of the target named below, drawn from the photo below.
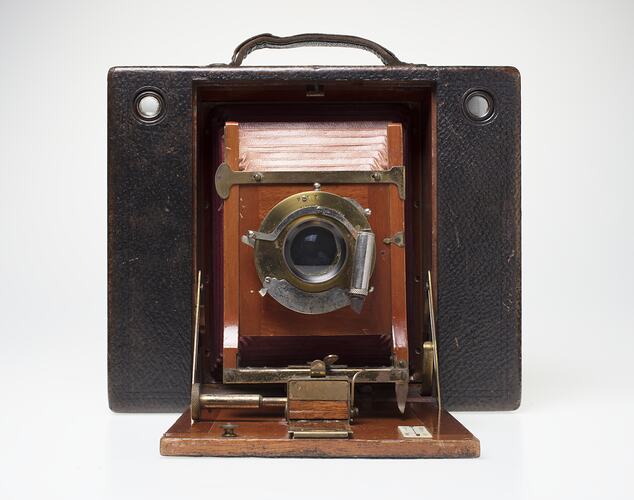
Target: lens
(315, 251)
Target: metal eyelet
(149, 106)
(479, 106)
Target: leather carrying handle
(268, 41)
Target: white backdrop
(572, 436)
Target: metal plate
(226, 177)
(325, 389)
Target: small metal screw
(250, 233)
(317, 186)
(267, 279)
(257, 177)
(376, 176)
(367, 212)
(229, 430)
(304, 197)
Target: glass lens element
(315, 251)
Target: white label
(415, 431)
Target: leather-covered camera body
(315, 261)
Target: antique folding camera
(315, 261)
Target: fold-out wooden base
(376, 434)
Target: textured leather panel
(149, 211)
(149, 247)
(479, 269)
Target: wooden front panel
(384, 312)
(265, 316)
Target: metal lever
(432, 324)
(195, 390)
(319, 367)
(199, 286)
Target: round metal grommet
(478, 105)
(149, 106)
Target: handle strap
(269, 41)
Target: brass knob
(229, 430)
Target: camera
(314, 260)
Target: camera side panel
(478, 241)
(149, 242)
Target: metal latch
(398, 239)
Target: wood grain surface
(375, 434)
(384, 314)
